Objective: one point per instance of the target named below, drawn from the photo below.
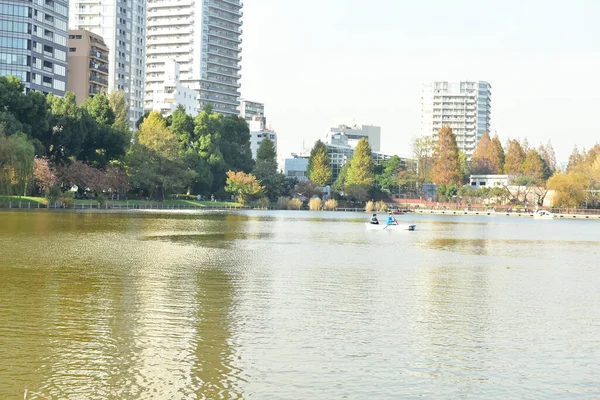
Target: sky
(313, 62)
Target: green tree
(265, 169)
(340, 183)
(319, 168)
(533, 167)
(389, 179)
(120, 107)
(446, 163)
(207, 139)
(570, 188)
(16, 163)
(360, 172)
(182, 126)
(266, 151)
(515, 157)
(99, 108)
(235, 144)
(244, 186)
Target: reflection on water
(199, 305)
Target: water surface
(290, 305)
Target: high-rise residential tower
(203, 37)
(33, 43)
(122, 25)
(464, 106)
(249, 110)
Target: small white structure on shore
(491, 181)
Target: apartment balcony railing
(169, 12)
(223, 82)
(97, 54)
(98, 79)
(224, 64)
(225, 26)
(223, 35)
(225, 17)
(226, 7)
(99, 67)
(232, 54)
(169, 22)
(222, 43)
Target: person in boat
(391, 220)
(374, 220)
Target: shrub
(315, 204)
(295, 204)
(264, 202)
(101, 199)
(67, 199)
(370, 206)
(331, 204)
(283, 203)
(53, 194)
(381, 206)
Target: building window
(72, 49)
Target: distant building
(258, 132)
(344, 135)
(88, 64)
(167, 95)
(122, 25)
(491, 181)
(33, 43)
(251, 110)
(296, 167)
(204, 37)
(464, 106)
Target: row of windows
(24, 76)
(14, 43)
(14, 27)
(14, 10)
(14, 59)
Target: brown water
(296, 305)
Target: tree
(16, 163)
(319, 168)
(207, 139)
(570, 188)
(549, 158)
(182, 126)
(485, 160)
(340, 183)
(120, 107)
(235, 144)
(499, 157)
(533, 167)
(360, 170)
(43, 175)
(446, 163)
(155, 135)
(265, 169)
(515, 157)
(266, 151)
(422, 149)
(308, 189)
(388, 180)
(98, 107)
(244, 186)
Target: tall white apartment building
(249, 110)
(204, 38)
(172, 94)
(464, 106)
(122, 25)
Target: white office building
(464, 106)
(171, 94)
(345, 135)
(258, 132)
(204, 38)
(121, 23)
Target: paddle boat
(396, 227)
(543, 214)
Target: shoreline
(518, 214)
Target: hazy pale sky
(314, 61)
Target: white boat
(399, 227)
(543, 214)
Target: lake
(296, 305)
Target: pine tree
(482, 162)
(319, 168)
(515, 157)
(446, 165)
(266, 151)
(499, 156)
